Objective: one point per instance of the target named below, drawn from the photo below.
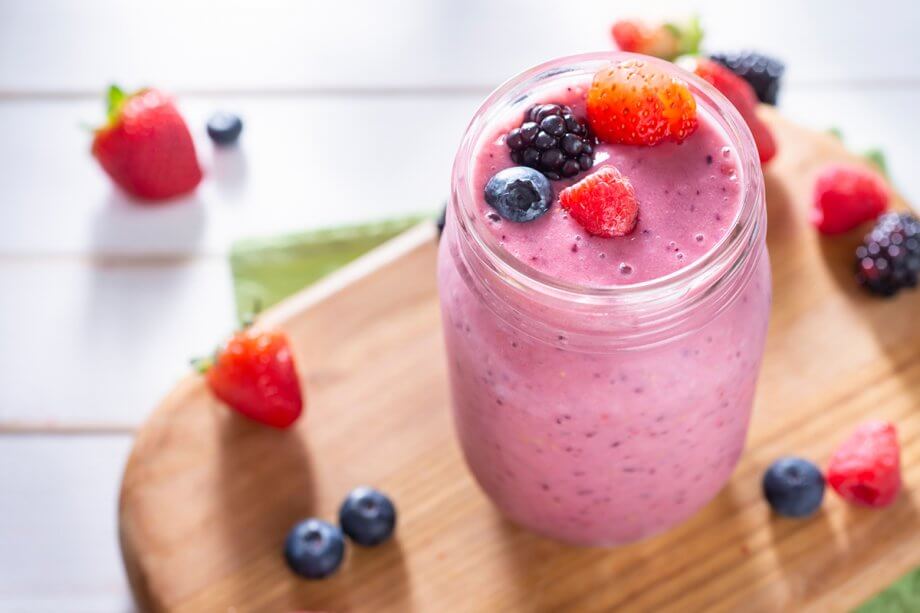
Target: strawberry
(254, 375)
(740, 93)
(846, 196)
(146, 147)
(664, 40)
(637, 103)
(866, 469)
(604, 203)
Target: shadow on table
(256, 507)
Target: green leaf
(689, 34)
(876, 157)
(267, 270)
(902, 595)
(835, 132)
(116, 97)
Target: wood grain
(207, 498)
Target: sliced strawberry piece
(636, 103)
(254, 375)
(866, 469)
(846, 196)
(604, 203)
(740, 93)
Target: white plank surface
(58, 547)
(353, 111)
(304, 162)
(64, 46)
(89, 344)
(307, 162)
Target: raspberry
(635, 103)
(553, 141)
(845, 196)
(889, 258)
(866, 469)
(604, 203)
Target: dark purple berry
(530, 157)
(570, 168)
(762, 72)
(529, 132)
(889, 258)
(544, 141)
(553, 141)
(572, 145)
(514, 139)
(554, 125)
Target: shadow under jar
(601, 389)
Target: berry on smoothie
(604, 203)
(519, 193)
(633, 102)
(553, 141)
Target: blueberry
(794, 487)
(553, 125)
(224, 128)
(367, 516)
(314, 549)
(519, 193)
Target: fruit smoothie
(602, 361)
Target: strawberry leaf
(115, 99)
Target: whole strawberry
(664, 40)
(146, 147)
(254, 374)
(866, 469)
(740, 93)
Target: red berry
(866, 469)
(740, 93)
(146, 147)
(254, 374)
(636, 103)
(845, 196)
(604, 203)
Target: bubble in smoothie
(625, 269)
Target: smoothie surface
(689, 195)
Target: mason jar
(599, 415)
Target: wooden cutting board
(207, 498)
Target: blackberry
(761, 71)
(889, 258)
(553, 141)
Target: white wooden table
(352, 112)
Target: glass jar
(601, 415)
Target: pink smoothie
(596, 445)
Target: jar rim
(746, 225)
